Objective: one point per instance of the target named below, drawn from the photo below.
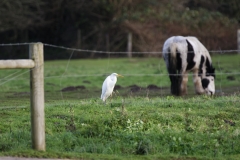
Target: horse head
(208, 83)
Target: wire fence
(148, 78)
(108, 52)
(14, 82)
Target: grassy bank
(139, 122)
(200, 127)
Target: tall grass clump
(198, 126)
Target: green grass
(150, 124)
(91, 73)
(200, 127)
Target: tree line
(104, 24)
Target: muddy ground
(82, 92)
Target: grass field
(142, 120)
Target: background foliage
(104, 24)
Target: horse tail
(174, 69)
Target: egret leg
(105, 102)
(111, 99)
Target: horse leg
(197, 83)
(176, 81)
(184, 83)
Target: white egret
(108, 85)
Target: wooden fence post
(129, 46)
(238, 40)
(37, 97)
(107, 43)
(79, 38)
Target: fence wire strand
(105, 52)
(15, 75)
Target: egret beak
(119, 75)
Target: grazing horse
(185, 54)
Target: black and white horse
(185, 54)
